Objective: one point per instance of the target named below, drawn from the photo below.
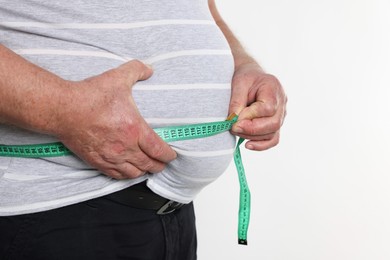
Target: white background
(324, 192)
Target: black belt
(140, 196)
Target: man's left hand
(259, 100)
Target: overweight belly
(187, 90)
(192, 66)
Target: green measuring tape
(168, 134)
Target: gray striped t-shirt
(77, 39)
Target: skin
(257, 97)
(98, 120)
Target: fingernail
(250, 147)
(149, 66)
(237, 129)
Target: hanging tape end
(242, 242)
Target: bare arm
(239, 53)
(257, 97)
(30, 96)
(96, 118)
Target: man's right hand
(99, 121)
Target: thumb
(238, 99)
(136, 70)
(152, 145)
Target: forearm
(30, 96)
(239, 53)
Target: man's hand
(99, 122)
(257, 97)
(259, 100)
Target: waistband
(140, 196)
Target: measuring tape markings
(34, 150)
(179, 133)
(168, 134)
(245, 197)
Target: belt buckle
(169, 207)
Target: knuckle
(135, 71)
(114, 174)
(137, 64)
(129, 171)
(158, 151)
(110, 158)
(142, 162)
(275, 125)
(271, 79)
(157, 168)
(255, 110)
(148, 166)
(135, 174)
(270, 107)
(253, 131)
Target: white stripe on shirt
(185, 120)
(99, 54)
(201, 154)
(151, 60)
(28, 177)
(106, 25)
(22, 177)
(176, 54)
(140, 87)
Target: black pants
(99, 229)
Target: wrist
(247, 64)
(53, 114)
(244, 60)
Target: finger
(129, 171)
(263, 145)
(259, 126)
(138, 164)
(266, 105)
(121, 170)
(114, 174)
(239, 97)
(267, 95)
(135, 70)
(257, 137)
(152, 145)
(145, 163)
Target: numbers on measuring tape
(245, 197)
(34, 150)
(179, 133)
